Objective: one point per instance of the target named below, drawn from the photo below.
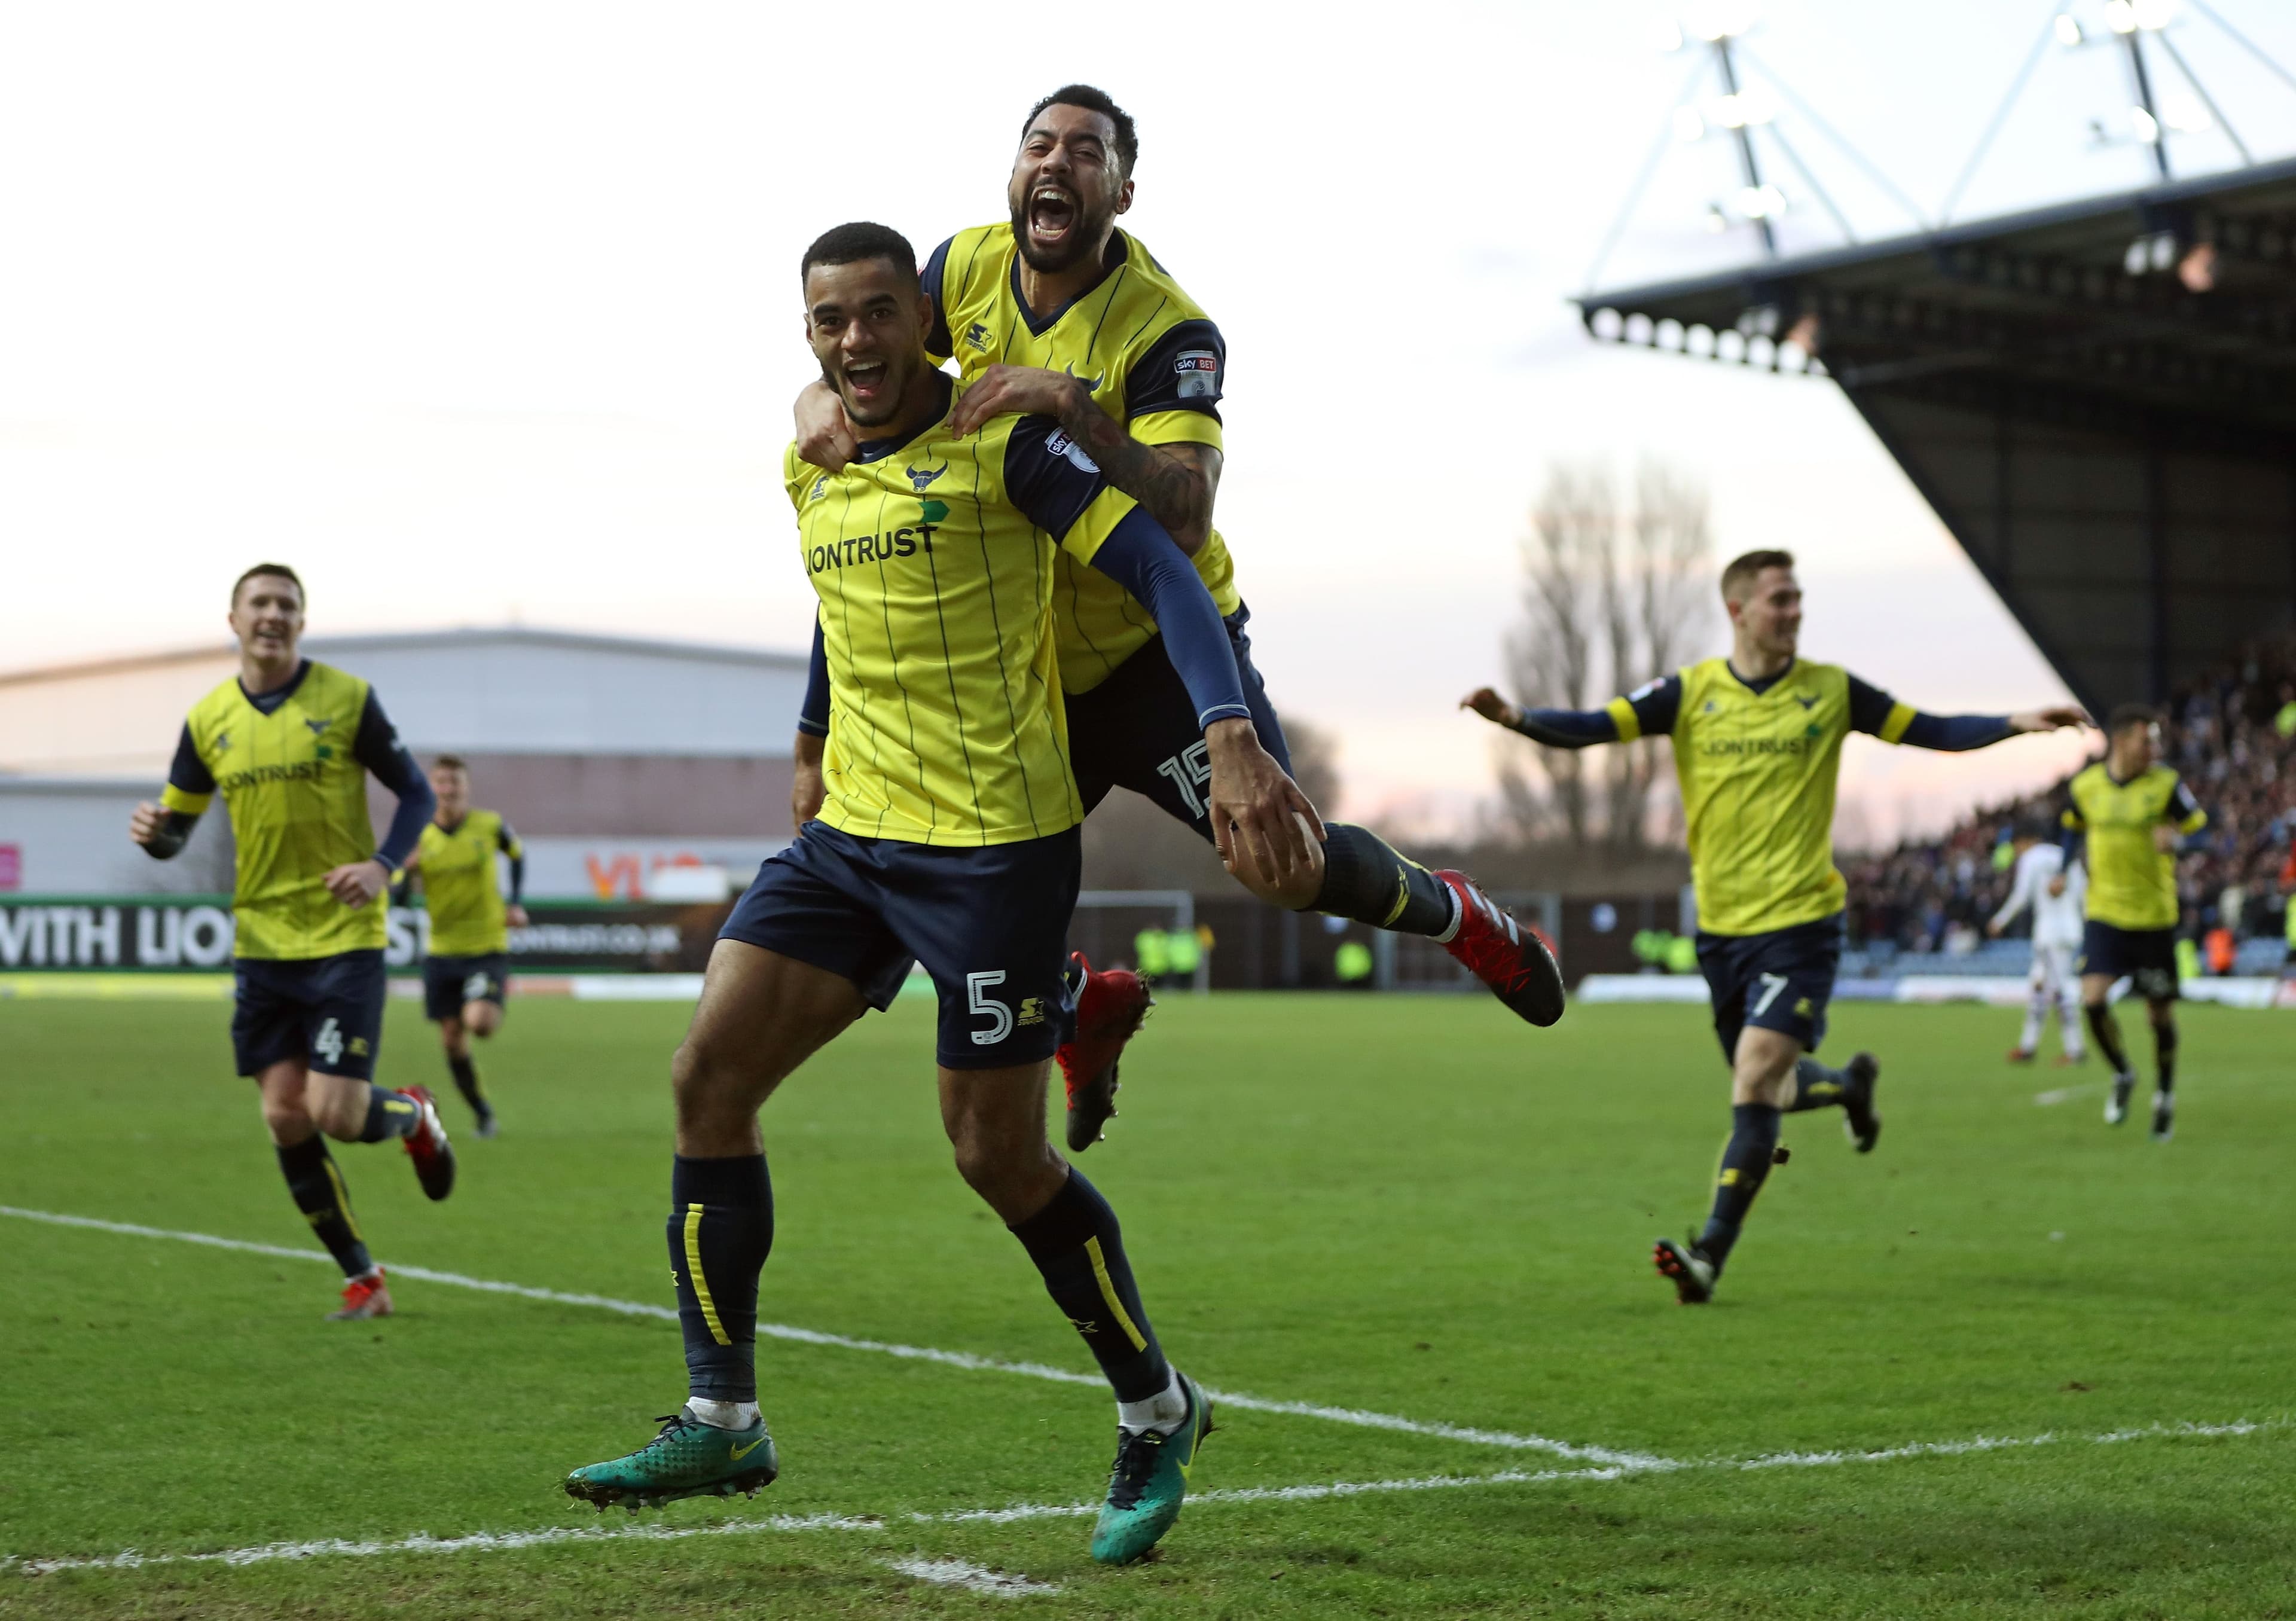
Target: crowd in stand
(2231, 733)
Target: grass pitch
(1413, 1206)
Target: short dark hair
(280, 569)
(449, 762)
(2128, 715)
(852, 243)
(1741, 570)
(1093, 100)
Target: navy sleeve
(1048, 476)
(188, 772)
(813, 714)
(1182, 372)
(1869, 707)
(1657, 705)
(1568, 728)
(378, 748)
(1143, 558)
(938, 344)
(517, 852)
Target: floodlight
(2147, 127)
(2068, 30)
(2197, 270)
(1716, 222)
(2120, 16)
(2182, 111)
(1720, 22)
(1740, 109)
(1688, 126)
(1667, 38)
(1760, 201)
(2153, 15)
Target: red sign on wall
(12, 866)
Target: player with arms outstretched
(948, 836)
(2055, 888)
(466, 966)
(2136, 813)
(1758, 750)
(289, 744)
(1058, 312)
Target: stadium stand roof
(2098, 398)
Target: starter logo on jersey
(923, 476)
(1061, 444)
(1198, 370)
(977, 335)
(820, 488)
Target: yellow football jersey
(1152, 360)
(461, 888)
(294, 780)
(933, 560)
(1759, 771)
(2131, 885)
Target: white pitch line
(485, 1542)
(1237, 1400)
(2064, 1095)
(973, 1578)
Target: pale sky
(481, 313)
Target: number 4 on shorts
(328, 1044)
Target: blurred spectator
(2230, 732)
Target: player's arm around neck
(1175, 483)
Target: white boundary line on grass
(497, 1541)
(965, 1360)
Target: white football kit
(2057, 930)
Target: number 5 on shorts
(999, 1015)
(1772, 983)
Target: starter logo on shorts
(923, 476)
(1032, 1010)
(1198, 370)
(1061, 444)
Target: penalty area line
(1237, 1400)
(957, 1573)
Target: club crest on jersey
(223, 742)
(318, 726)
(1091, 384)
(1806, 703)
(1198, 370)
(1061, 444)
(923, 476)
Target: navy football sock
(389, 1114)
(1075, 1243)
(319, 1193)
(1365, 881)
(1815, 1086)
(1745, 1166)
(721, 1230)
(2106, 1028)
(2164, 1051)
(466, 1082)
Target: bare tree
(1611, 599)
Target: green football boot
(1150, 1479)
(688, 1458)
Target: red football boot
(1510, 956)
(2021, 1055)
(363, 1298)
(1109, 1007)
(434, 1161)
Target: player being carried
(2136, 813)
(1758, 750)
(289, 744)
(948, 836)
(1060, 313)
(466, 965)
(2054, 888)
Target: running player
(466, 965)
(289, 744)
(1060, 313)
(948, 836)
(2136, 813)
(2055, 888)
(1758, 750)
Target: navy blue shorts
(990, 924)
(327, 1010)
(2146, 955)
(450, 982)
(1779, 981)
(1138, 730)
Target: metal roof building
(2097, 398)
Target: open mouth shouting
(866, 384)
(1053, 215)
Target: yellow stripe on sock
(701, 1284)
(343, 1201)
(1108, 1293)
